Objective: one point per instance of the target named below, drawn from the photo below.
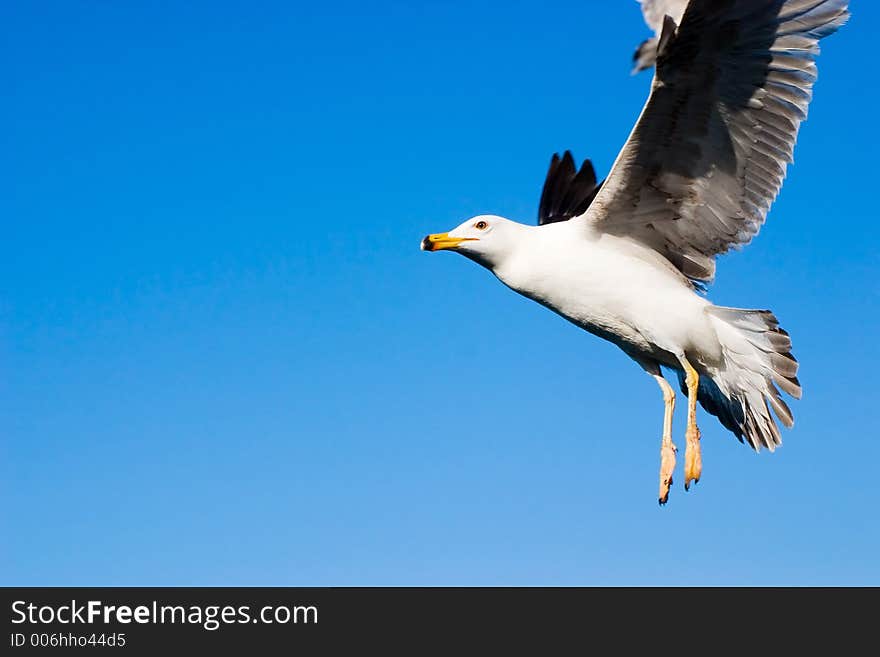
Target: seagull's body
(627, 259)
(580, 279)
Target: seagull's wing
(708, 154)
(655, 10)
(567, 192)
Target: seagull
(654, 11)
(628, 259)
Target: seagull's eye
(481, 225)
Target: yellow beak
(440, 241)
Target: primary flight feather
(625, 259)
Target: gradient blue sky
(225, 360)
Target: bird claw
(664, 492)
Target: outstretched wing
(709, 152)
(567, 192)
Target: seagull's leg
(667, 449)
(693, 460)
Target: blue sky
(225, 360)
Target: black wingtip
(567, 191)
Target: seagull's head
(486, 239)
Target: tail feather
(757, 359)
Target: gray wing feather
(709, 152)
